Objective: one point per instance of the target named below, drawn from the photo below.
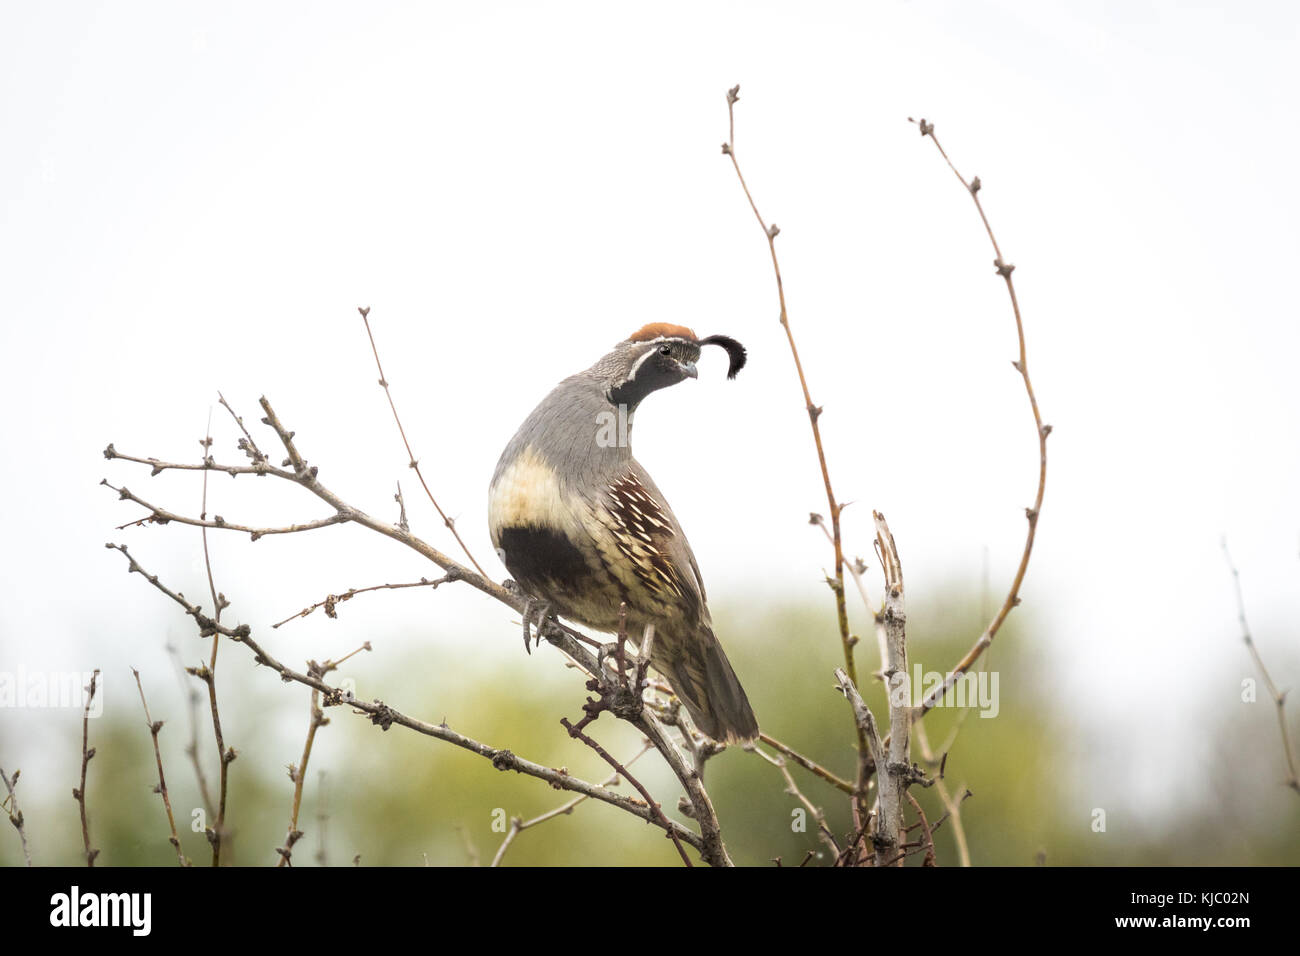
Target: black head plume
(735, 352)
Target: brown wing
(686, 650)
(654, 547)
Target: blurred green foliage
(397, 798)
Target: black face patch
(543, 561)
(657, 366)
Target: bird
(584, 531)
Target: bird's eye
(664, 350)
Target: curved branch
(833, 505)
(1041, 431)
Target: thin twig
(622, 698)
(823, 830)
(298, 774)
(322, 817)
(415, 464)
(855, 567)
(154, 727)
(517, 825)
(807, 763)
(217, 833)
(383, 716)
(575, 730)
(87, 753)
(246, 444)
(928, 842)
(471, 851)
(15, 814)
(192, 699)
(1279, 696)
(401, 509)
(158, 467)
(947, 814)
(332, 601)
(163, 516)
(1041, 431)
(952, 806)
(814, 414)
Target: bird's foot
(540, 610)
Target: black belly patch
(544, 561)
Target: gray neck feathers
(576, 430)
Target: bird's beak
(689, 370)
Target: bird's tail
(703, 679)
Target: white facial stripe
(649, 352)
(639, 362)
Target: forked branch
(297, 470)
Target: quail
(582, 529)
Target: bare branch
(15, 814)
(928, 842)
(225, 755)
(161, 789)
(823, 830)
(192, 699)
(951, 805)
(415, 465)
(517, 825)
(807, 763)
(163, 516)
(892, 620)
(566, 639)
(298, 774)
(575, 731)
(895, 777)
(1279, 697)
(246, 444)
(1041, 431)
(866, 723)
(856, 567)
(158, 466)
(814, 414)
(385, 717)
(322, 817)
(331, 601)
(87, 753)
(621, 696)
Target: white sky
(196, 197)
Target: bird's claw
(543, 611)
